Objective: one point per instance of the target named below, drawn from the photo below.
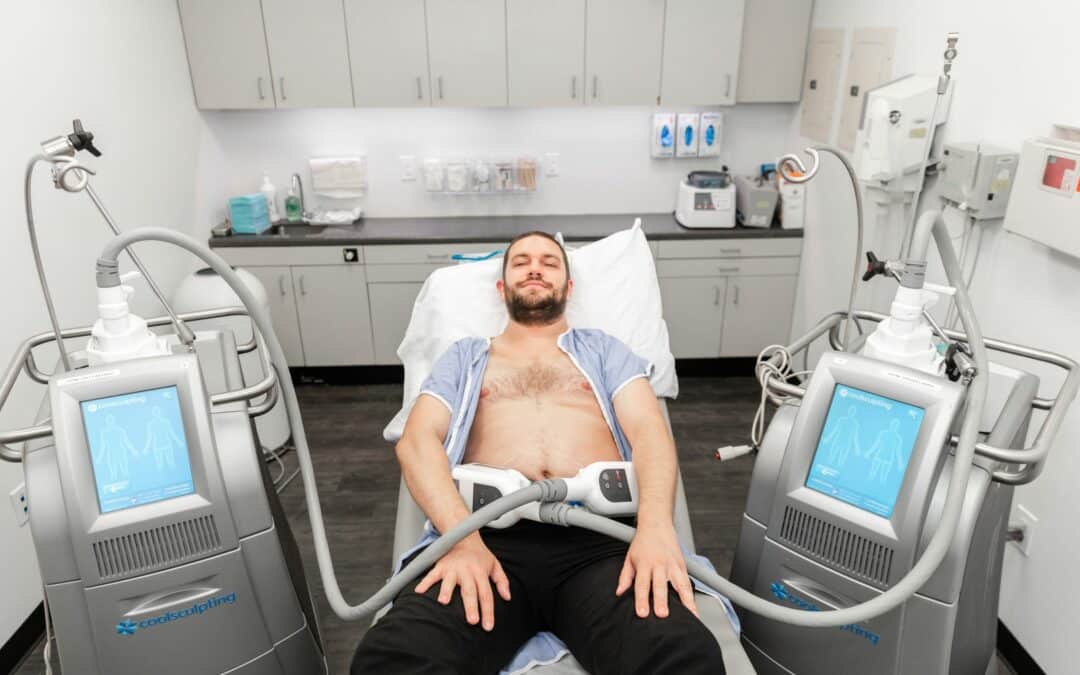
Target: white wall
(604, 154)
(120, 66)
(1009, 87)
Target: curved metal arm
(783, 166)
(246, 393)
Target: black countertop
(372, 231)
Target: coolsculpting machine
(846, 490)
(161, 542)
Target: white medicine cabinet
(246, 54)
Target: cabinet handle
(440, 88)
(734, 251)
(258, 83)
(729, 270)
(716, 298)
(573, 86)
(281, 284)
(419, 89)
(438, 256)
(595, 85)
(727, 85)
(736, 294)
(282, 80)
(303, 291)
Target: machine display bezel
(850, 495)
(940, 400)
(77, 478)
(85, 408)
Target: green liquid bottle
(293, 212)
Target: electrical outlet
(408, 167)
(19, 504)
(1026, 521)
(551, 164)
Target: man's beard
(536, 312)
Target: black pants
(561, 580)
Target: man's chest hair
(532, 379)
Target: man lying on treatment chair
(545, 400)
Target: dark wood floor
(358, 482)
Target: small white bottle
(270, 192)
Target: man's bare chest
(537, 379)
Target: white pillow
(615, 290)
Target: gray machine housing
(802, 549)
(209, 582)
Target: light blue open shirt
(607, 364)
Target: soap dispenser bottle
(270, 192)
(293, 211)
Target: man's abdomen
(540, 439)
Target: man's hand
(653, 561)
(473, 567)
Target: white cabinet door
(308, 53)
(757, 313)
(545, 51)
(773, 54)
(334, 317)
(388, 52)
(279, 291)
(701, 51)
(226, 50)
(391, 309)
(694, 312)
(467, 52)
(623, 42)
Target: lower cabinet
(694, 313)
(757, 313)
(278, 283)
(335, 320)
(391, 309)
(708, 317)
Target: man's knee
(680, 643)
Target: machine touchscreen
(864, 449)
(138, 448)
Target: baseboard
(1014, 653)
(23, 640)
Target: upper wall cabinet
(701, 51)
(545, 51)
(623, 50)
(309, 54)
(467, 52)
(227, 53)
(774, 39)
(388, 52)
(399, 53)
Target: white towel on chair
(339, 177)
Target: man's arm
(469, 564)
(655, 558)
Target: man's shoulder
(595, 339)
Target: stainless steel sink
(295, 229)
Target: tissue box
(249, 214)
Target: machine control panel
(614, 486)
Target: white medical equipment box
(1045, 204)
(978, 176)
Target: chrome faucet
(299, 185)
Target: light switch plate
(551, 164)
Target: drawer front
(730, 248)
(425, 253)
(399, 273)
(290, 255)
(712, 267)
